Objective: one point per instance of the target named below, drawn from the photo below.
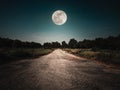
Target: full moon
(59, 17)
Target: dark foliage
(52, 45)
(9, 43)
(72, 43)
(64, 44)
(111, 43)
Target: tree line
(110, 42)
(9, 43)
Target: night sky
(31, 19)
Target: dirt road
(58, 71)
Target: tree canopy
(99, 43)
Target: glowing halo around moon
(59, 17)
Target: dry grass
(106, 56)
(7, 55)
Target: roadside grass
(8, 55)
(106, 56)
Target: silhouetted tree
(112, 43)
(72, 43)
(56, 45)
(47, 45)
(9, 43)
(52, 45)
(64, 44)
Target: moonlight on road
(59, 17)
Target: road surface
(58, 71)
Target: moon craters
(59, 17)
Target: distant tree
(80, 44)
(47, 45)
(9, 43)
(17, 44)
(64, 44)
(52, 45)
(118, 42)
(56, 45)
(72, 43)
(35, 45)
(111, 42)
